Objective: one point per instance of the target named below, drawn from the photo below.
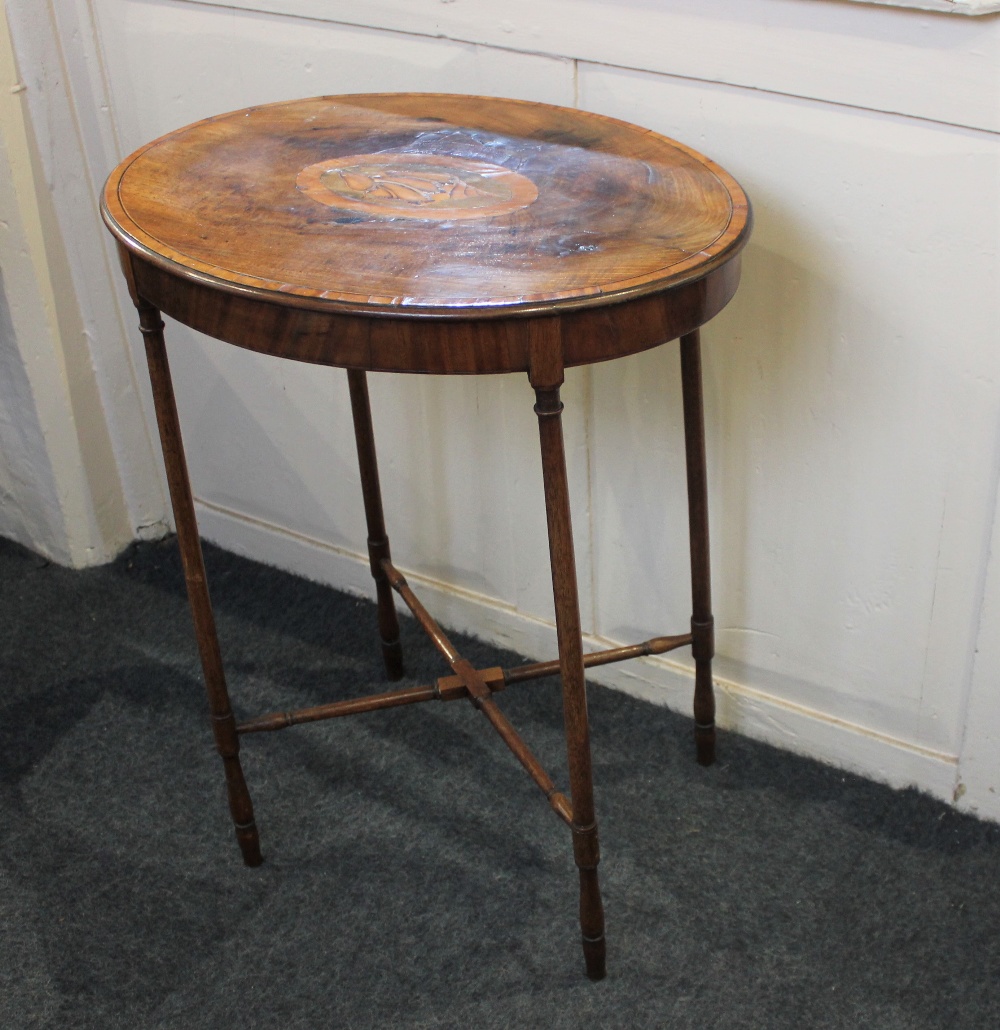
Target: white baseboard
(663, 680)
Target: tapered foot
(587, 853)
(591, 909)
(249, 842)
(240, 805)
(392, 655)
(594, 954)
(704, 696)
(704, 742)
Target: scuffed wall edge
(978, 787)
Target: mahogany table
(439, 234)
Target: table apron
(409, 343)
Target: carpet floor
(413, 875)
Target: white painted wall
(853, 386)
(60, 489)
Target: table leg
(223, 724)
(702, 624)
(378, 542)
(586, 849)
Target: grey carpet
(414, 877)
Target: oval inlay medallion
(417, 186)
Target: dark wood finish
(437, 636)
(450, 688)
(658, 645)
(223, 724)
(702, 625)
(559, 802)
(378, 542)
(586, 851)
(618, 211)
(633, 238)
(480, 693)
(440, 345)
(447, 688)
(442, 234)
(338, 709)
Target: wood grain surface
(433, 203)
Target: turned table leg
(702, 624)
(223, 724)
(378, 542)
(586, 850)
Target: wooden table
(442, 234)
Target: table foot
(249, 842)
(392, 658)
(586, 851)
(704, 697)
(595, 958)
(704, 742)
(227, 743)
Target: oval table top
(425, 206)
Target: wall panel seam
(250, 8)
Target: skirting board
(661, 680)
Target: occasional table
(445, 234)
